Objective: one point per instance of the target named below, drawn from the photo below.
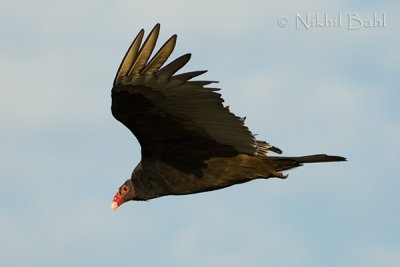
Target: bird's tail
(286, 163)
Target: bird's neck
(147, 183)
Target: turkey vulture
(190, 142)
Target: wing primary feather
(146, 50)
(160, 57)
(174, 66)
(275, 149)
(212, 89)
(129, 57)
(189, 75)
(201, 83)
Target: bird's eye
(124, 189)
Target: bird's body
(190, 142)
(218, 173)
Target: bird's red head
(125, 193)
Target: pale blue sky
(321, 90)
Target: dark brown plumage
(190, 142)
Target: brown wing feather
(171, 116)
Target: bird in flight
(190, 142)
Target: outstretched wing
(173, 117)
